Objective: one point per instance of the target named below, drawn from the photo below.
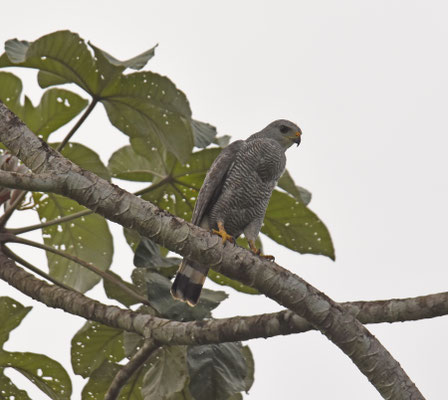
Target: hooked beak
(297, 139)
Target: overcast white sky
(367, 82)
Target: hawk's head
(283, 131)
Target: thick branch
(279, 284)
(217, 330)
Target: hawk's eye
(284, 129)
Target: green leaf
(299, 193)
(126, 164)
(9, 390)
(47, 374)
(87, 238)
(217, 371)
(148, 106)
(101, 378)
(116, 293)
(159, 296)
(11, 89)
(142, 104)
(167, 373)
(93, 344)
(85, 158)
(250, 364)
(132, 238)
(290, 223)
(147, 255)
(63, 54)
(137, 62)
(203, 133)
(56, 108)
(11, 315)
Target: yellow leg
(222, 232)
(258, 251)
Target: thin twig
(56, 221)
(11, 238)
(123, 375)
(5, 217)
(8, 252)
(78, 124)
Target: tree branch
(6, 237)
(139, 358)
(342, 328)
(215, 330)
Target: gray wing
(211, 188)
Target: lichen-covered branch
(341, 327)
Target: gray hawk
(235, 194)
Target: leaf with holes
(47, 374)
(217, 371)
(142, 105)
(87, 238)
(56, 108)
(167, 373)
(93, 344)
(290, 223)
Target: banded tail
(187, 285)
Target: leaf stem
(11, 238)
(9, 253)
(5, 217)
(78, 124)
(56, 221)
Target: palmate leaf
(142, 105)
(47, 374)
(56, 108)
(93, 344)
